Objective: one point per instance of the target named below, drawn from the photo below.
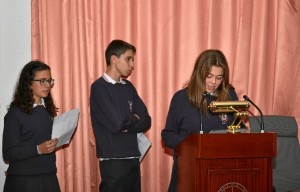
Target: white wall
(15, 52)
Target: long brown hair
(196, 85)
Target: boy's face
(124, 64)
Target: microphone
(262, 129)
(201, 103)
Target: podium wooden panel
(241, 162)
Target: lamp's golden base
(233, 129)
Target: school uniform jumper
(27, 170)
(183, 118)
(115, 128)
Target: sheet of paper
(144, 144)
(64, 126)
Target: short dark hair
(117, 47)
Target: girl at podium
(188, 112)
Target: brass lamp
(240, 109)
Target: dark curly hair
(23, 96)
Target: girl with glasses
(27, 144)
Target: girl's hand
(48, 146)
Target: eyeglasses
(45, 81)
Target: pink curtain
(260, 39)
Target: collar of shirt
(110, 80)
(43, 103)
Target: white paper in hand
(64, 126)
(144, 144)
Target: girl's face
(214, 79)
(41, 85)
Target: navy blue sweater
(21, 135)
(183, 119)
(112, 107)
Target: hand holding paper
(64, 126)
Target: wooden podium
(241, 162)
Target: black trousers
(120, 175)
